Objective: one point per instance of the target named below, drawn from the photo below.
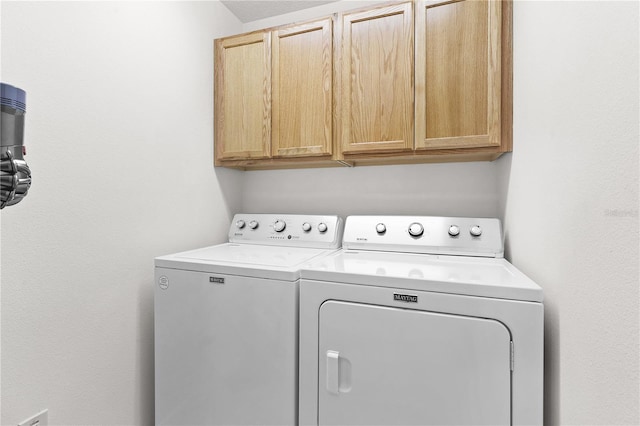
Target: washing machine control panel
(315, 231)
(425, 234)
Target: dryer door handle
(333, 372)
(338, 373)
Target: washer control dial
(416, 229)
(475, 231)
(381, 228)
(454, 230)
(306, 227)
(253, 224)
(322, 227)
(240, 224)
(279, 225)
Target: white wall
(568, 195)
(571, 199)
(455, 189)
(311, 13)
(119, 137)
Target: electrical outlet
(40, 419)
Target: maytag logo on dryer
(216, 280)
(405, 298)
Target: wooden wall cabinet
(282, 80)
(302, 90)
(458, 75)
(375, 96)
(242, 100)
(418, 81)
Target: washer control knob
(454, 230)
(240, 224)
(306, 227)
(381, 228)
(322, 227)
(476, 231)
(253, 224)
(416, 229)
(279, 225)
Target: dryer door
(381, 365)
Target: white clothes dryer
(420, 321)
(226, 322)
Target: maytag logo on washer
(405, 298)
(216, 280)
(163, 282)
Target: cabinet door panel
(458, 76)
(302, 90)
(243, 96)
(376, 93)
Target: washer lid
(483, 277)
(272, 262)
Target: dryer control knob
(322, 227)
(306, 227)
(476, 231)
(381, 228)
(279, 226)
(253, 224)
(454, 230)
(416, 229)
(240, 224)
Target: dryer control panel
(313, 231)
(425, 234)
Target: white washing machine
(420, 321)
(226, 322)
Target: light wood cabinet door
(243, 96)
(302, 111)
(375, 96)
(458, 74)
